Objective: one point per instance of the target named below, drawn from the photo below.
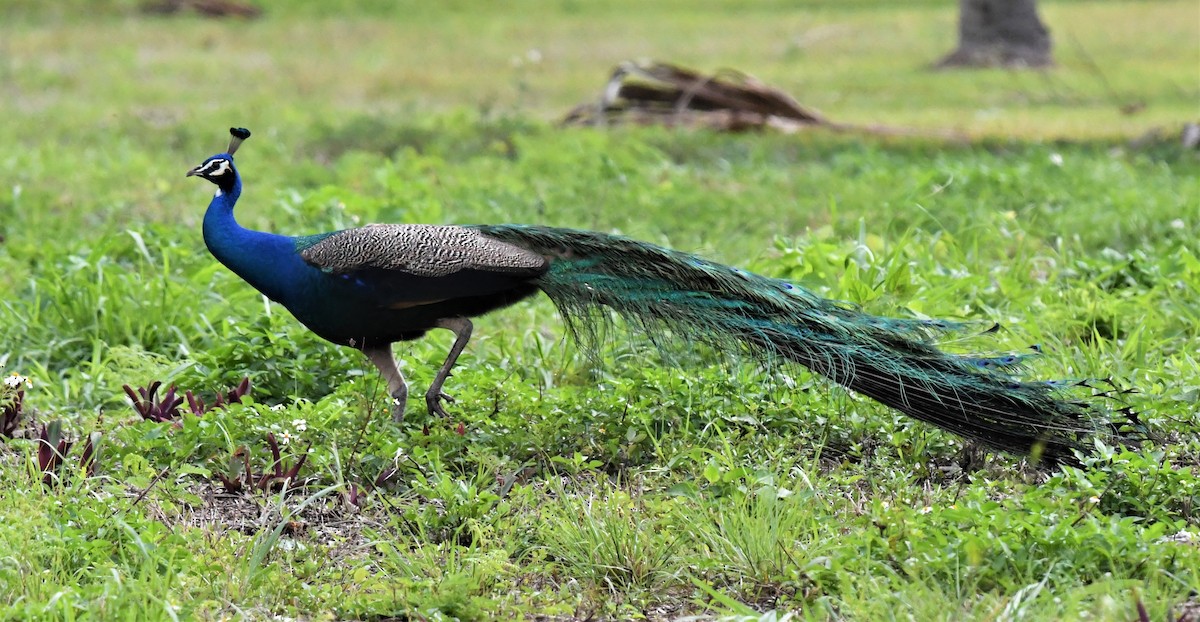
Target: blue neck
(266, 261)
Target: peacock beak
(193, 172)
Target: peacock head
(219, 169)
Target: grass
(612, 541)
(635, 483)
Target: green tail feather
(893, 361)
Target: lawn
(639, 480)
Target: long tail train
(893, 361)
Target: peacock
(372, 286)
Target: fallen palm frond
(655, 93)
(206, 8)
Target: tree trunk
(1000, 33)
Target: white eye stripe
(216, 168)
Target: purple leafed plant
(282, 475)
(168, 407)
(87, 461)
(197, 406)
(53, 448)
(151, 408)
(355, 496)
(10, 414)
(240, 476)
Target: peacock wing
(405, 266)
(418, 250)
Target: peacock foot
(434, 400)
(399, 401)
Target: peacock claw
(434, 402)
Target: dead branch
(656, 93)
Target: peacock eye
(222, 167)
(214, 168)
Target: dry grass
(861, 66)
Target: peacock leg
(382, 357)
(462, 334)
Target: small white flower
(885, 504)
(1178, 223)
(285, 438)
(927, 509)
(1183, 537)
(1056, 159)
(15, 380)
(300, 425)
(278, 407)
(1093, 499)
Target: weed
(238, 474)
(614, 540)
(166, 408)
(766, 540)
(12, 403)
(52, 450)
